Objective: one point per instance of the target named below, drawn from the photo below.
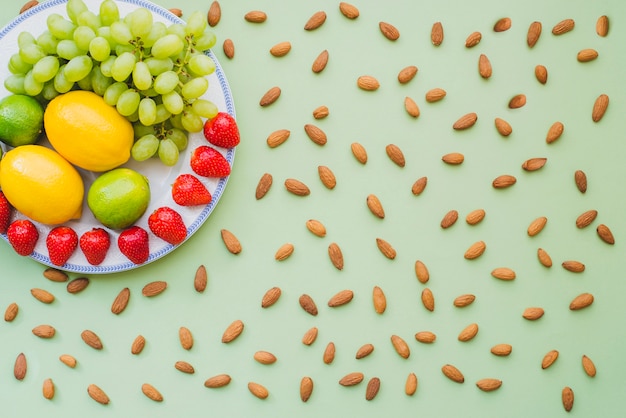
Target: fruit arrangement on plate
(115, 150)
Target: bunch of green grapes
(152, 73)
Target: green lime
(21, 120)
(119, 197)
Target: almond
(468, 333)
(315, 21)
(310, 336)
(421, 272)
(233, 331)
(348, 10)
(44, 331)
(549, 359)
(563, 26)
(229, 48)
(503, 273)
(28, 5)
(410, 387)
(11, 312)
(48, 389)
(315, 134)
(55, 275)
(327, 177)
(335, 255)
(389, 31)
(537, 225)
(395, 154)
(271, 297)
(534, 32)
(231, 242)
(588, 366)
(265, 357)
(374, 205)
(186, 338)
(281, 49)
(517, 101)
(97, 394)
(602, 26)
(385, 248)
(452, 373)
(586, 55)
(555, 132)
(503, 181)
(411, 107)
(121, 301)
(297, 187)
(599, 107)
(217, 381)
(255, 16)
(42, 296)
(419, 186)
(367, 82)
(184, 367)
(544, 257)
(407, 73)
(329, 353)
(77, 285)
(176, 12)
(573, 266)
(320, 112)
(489, 384)
(464, 300)
(475, 250)
(284, 252)
(541, 74)
(316, 227)
(379, 300)
(449, 219)
(364, 351)
(258, 390)
(586, 218)
(138, 345)
(502, 25)
(581, 301)
(200, 279)
(484, 66)
(341, 298)
(473, 39)
(265, 182)
(567, 398)
(428, 299)
(605, 234)
(435, 95)
(453, 158)
(532, 314)
(154, 288)
(214, 14)
(425, 337)
(278, 137)
(68, 360)
(436, 34)
(351, 379)
(151, 392)
(503, 127)
(307, 303)
(91, 339)
(501, 350)
(306, 388)
(373, 386)
(401, 347)
(20, 367)
(270, 96)
(359, 152)
(534, 164)
(466, 121)
(580, 178)
(320, 62)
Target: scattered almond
(549, 359)
(449, 219)
(77, 285)
(563, 26)
(466, 121)
(537, 225)
(580, 178)
(599, 107)
(316, 227)
(379, 300)
(310, 336)
(20, 367)
(55, 275)
(265, 182)
(258, 390)
(374, 205)
(28, 5)
(532, 314)
(541, 74)
(91, 339)
(367, 82)
(307, 303)
(256, 16)
(435, 95)
(502, 24)
(320, 112)
(138, 345)
(284, 252)
(419, 185)
(42, 296)
(44, 331)
(121, 301)
(373, 386)
(555, 132)
(504, 181)
(348, 10)
(278, 137)
(364, 351)
(320, 62)
(327, 177)
(385, 248)
(200, 279)
(265, 357)
(359, 152)
(407, 73)
(11, 312)
(401, 347)
(411, 107)
(475, 250)
(68, 360)
(567, 398)
(389, 31)
(186, 338)
(588, 366)
(473, 39)
(97, 394)
(534, 32)
(517, 101)
(503, 127)
(217, 381)
(436, 34)
(270, 96)
(335, 255)
(297, 187)
(534, 164)
(489, 384)
(214, 14)
(484, 66)
(233, 331)
(341, 298)
(176, 12)
(501, 350)
(587, 55)
(315, 21)
(231, 242)
(503, 273)
(581, 301)
(544, 257)
(425, 337)
(271, 297)
(453, 158)
(306, 388)
(410, 387)
(48, 389)
(184, 367)
(421, 272)
(464, 300)
(573, 266)
(605, 234)
(329, 353)
(475, 216)
(428, 299)
(154, 288)
(151, 392)
(228, 46)
(586, 218)
(395, 154)
(453, 373)
(468, 333)
(602, 26)
(351, 379)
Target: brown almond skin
(581, 301)
(217, 381)
(42, 296)
(121, 301)
(341, 298)
(435, 95)
(419, 186)
(475, 216)
(407, 74)
(503, 273)
(503, 24)
(258, 390)
(536, 226)
(541, 74)
(452, 373)
(411, 107)
(77, 285)
(48, 389)
(265, 182)
(278, 138)
(586, 218)
(315, 21)
(425, 337)
(297, 187)
(183, 366)
(231, 242)
(489, 384)
(265, 357)
(563, 26)
(11, 312)
(359, 152)
(389, 31)
(567, 398)
(374, 205)
(544, 257)
(534, 164)
(281, 49)
(428, 300)
(373, 386)
(351, 379)
(436, 34)
(348, 10)
(532, 314)
(229, 48)
(316, 227)
(379, 300)
(503, 127)
(599, 107)
(401, 347)
(605, 234)
(368, 83)
(214, 14)
(517, 101)
(580, 179)
(271, 297)
(28, 5)
(555, 132)
(91, 339)
(186, 338)
(336, 256)
(284, 252)
(327, 177)
(586, 55)
(138, 345)
(44, 331)
(200, 279)
(588, 366)
(97, 394)
(20, 367)
(449, 219)
(573, 266)
(176, 12)
(464, 300)
(320, 62)
(501, 350)
(329, 353)
(386, 248)
(484, 66)
(310, 336)
(468, 333)
(421, 272)
(473, 39)
(68, 360)
(309, 306)
(306, 388)
(255, 16)
(549, 359)
(534, 32)
(154, 288)
(475, 250)
(270, 96)
(364, 351)
(395, 154)
(410, 387)
(321, 112)
(233, 331)
(465, 122)
(55, 275)
(602, 26)
(151, 392)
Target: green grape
(49, 92)
(120, 49)
(31, 86)
(32, 53)
(128, 102)
(157, 66)
(173, 102)
(145, 147)
(99, 48)
(201, 65)
(48, 42)
(123, 66)
(74, 8)
(158, 30)
(67, 49)
(60, 27)
(140, 22)
(15, 83)
(61, 83)
(204, 108)
(141, 76)
(175, 121)
(99, 82)
(90, 19)
(46, 68)
(133, 117)
(147, 111)
(167, 46)
(149, 93)
(168, 152)
(179, 137)
(120, 32)
(105, 32)
(139, 130)
(113, 93)
(24, 39)
(105, 66)
(85, 83)
(206, 41)
(191, 122)
(109, 12)
(17, 65)
(78, 68)
(195, 88)
(83, 36)
(177, 29)
(166, 82)
(162, 114)
(196, 23)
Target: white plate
(160, 176)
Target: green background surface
(375, 119)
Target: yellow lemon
(88, 132)
(41, 184)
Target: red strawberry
(168, 225)
(222, 131)
(187, 190)
(208, 162)
(5, 213)
(134, 244)
(95, 245)
(23, 236)
(61, 242)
